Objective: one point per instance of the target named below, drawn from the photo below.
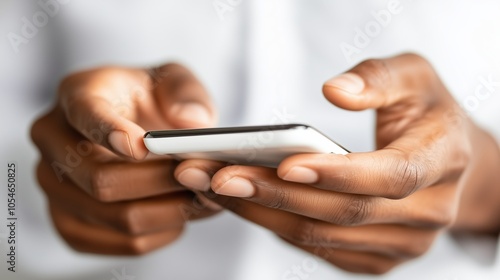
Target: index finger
(99, 104)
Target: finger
(184, 101)
(389, 173)
(430, 208)
(102, 106)
(98, 172)
(196, 174)
(381, 83)
(395, 241)
(91, 238)
(135, 217)
(261, 185)
(352, 261)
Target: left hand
(105, 195)
(368, 212)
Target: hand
(105, 195)
(368, 212)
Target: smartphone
(246, 145)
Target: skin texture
(434, 170)
(105, 194)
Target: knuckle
(129, 219)
(355, 212)
(407, 179)
(63, 228)
(377, 70)
(443, 219)
(38, 129)
(417, 248)
(173, 66)
(303, 232)
(100, 184)
(67, 83)
(279, 200)
(418, 60)
(422, 69)
(440, 213)
(414, 56)
(88, 79)
(345, 182)
(138, 246)
(142, 245)
(170, 65)
(448, 219)
(176, 74)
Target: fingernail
(208, 203)
(191, 112)
(194, 178)
(348, 82)
(301, 174)
(120, 142)
(236, 187)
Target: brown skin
(118, 201)
(433, 170)
(365, 212)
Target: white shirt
(263, 62)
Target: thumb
(184, 101)
(380, 83)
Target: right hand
(105, 195)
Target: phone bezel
(221, 130)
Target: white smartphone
(248, 145)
